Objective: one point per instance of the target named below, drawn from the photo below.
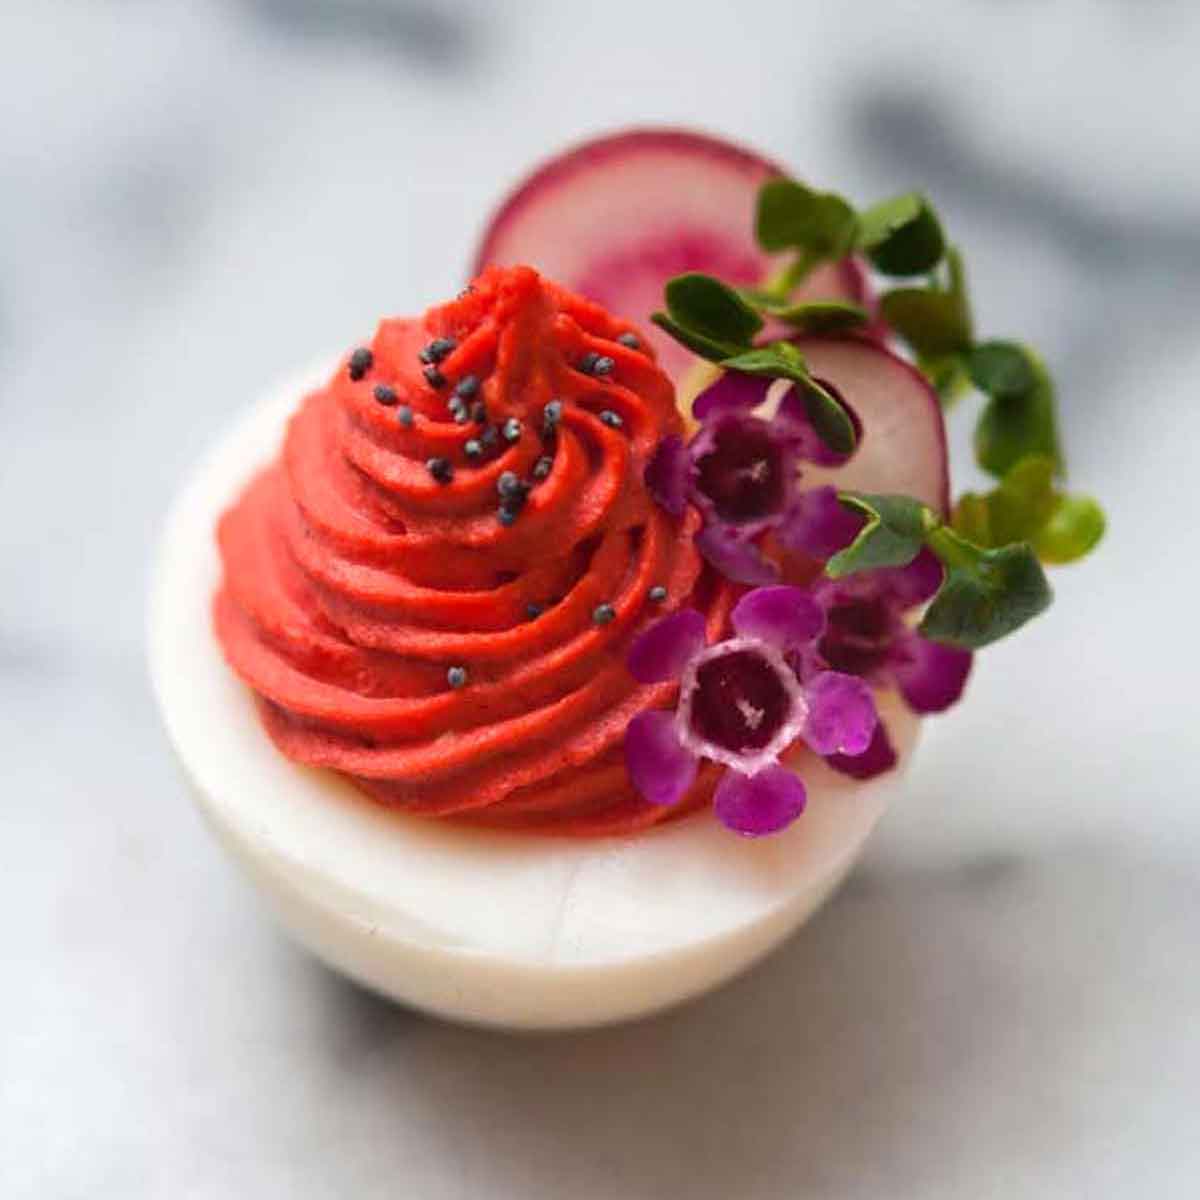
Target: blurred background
(196, 197)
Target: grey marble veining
(198, 196)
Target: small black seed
(630, 340)
(456, 677)
(506, 516)
(611, 419)
(490, 437)
(360, 362)
(533, 611)
(587, 364)
(551, 415)
(603, 365)
(440, 468)
(509, 485)
(460, 416)
(385, 395)
(515, 502)
(479, 413)
(405, 415)
(437, 350)
(603, 613)
(657, 593)
(474, 448)
(542, 467)
(467, 386)
(512, 429)
(434, 377)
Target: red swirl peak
(433, 588)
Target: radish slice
(615, 217)
(902, 448)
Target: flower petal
(667, 474)
(917, 582)
(817, 524)
(736, 559)
(733, 392)
(659, 767)
(786, 617)
(931, 676)
(754, 805)
(878, 757)
(662, 651)
(841, 714)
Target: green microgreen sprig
(994, 544)
(719, 323)
(986, 592)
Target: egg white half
(503, 929)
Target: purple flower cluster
(741, 471)
(802, 661)
(868, 633)
(742, 703)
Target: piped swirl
(433, 589)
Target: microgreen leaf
(895, 531)
(706, 347)
(986, 594)
(832, 422)
(791, 216)
(1002, 369)
(1073, 530)
(948, 375)
(781, 360)
(929, 319)
(712, 309)
(902, 236)
(1016, 426)
(1023, 503)
(778, 360)
(1026, 507)
(820, 316)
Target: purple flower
(741, 470)
(867, 633)
(742, 704)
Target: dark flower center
(740, 702)
(743, 474)
(858, 634)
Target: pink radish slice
(615, 217)
(902, 447)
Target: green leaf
(820, 316)
(1013, 427)
(781, 360)
(706, 347)
(791, 216)
(1020, 507)
(902, 236)
(1026, 507)
(948, 375)
(778, 360)
(986, 594)
(833, 423)
(972, 518)
(928, 319)
(1002, 369)
(895, 531)
(712, 309)
(1074, 528)
(762, 297)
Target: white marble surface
(197, 196)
